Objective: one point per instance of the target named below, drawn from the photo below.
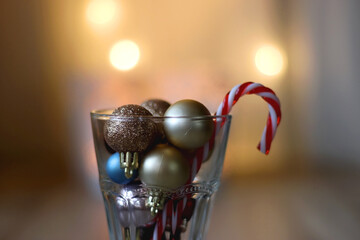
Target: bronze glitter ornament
(157, 107)
(129, 135)
(163, 169)
(184, 132)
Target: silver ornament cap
(184, 132)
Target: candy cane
(171, 215)
(201, 154)
(269, 96)
(225, 107)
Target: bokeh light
(269, 60)
(101, 11)
(124, 55)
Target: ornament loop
(129, 162)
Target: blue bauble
(115, 172)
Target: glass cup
(184, 212)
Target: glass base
(129, 217)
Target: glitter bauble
(156, 107)
(126, 134)
(189, 125)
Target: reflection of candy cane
(171, 214)
(229, 101)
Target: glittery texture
(130, 134)
(157, 107)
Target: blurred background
(61, 59)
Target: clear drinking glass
(186, 210)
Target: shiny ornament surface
(165, 167)
(131, 206)
(156, 107)
(115, 172)
(130, 134)
(184, 132)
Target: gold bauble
(165, 167)
(184, 132)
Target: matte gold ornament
(163, 169)
(184, 132)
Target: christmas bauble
(130, 134)
(185, 132)
(165, 167)
(115, 172)
(131, 206)
(157, 107)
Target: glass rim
(101, 114)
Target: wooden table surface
(321, 207)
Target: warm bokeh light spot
(101, 11)
(269, 60)
(124, 55)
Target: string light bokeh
(101, 11)
(269, 60)
(124, 55)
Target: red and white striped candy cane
(200, 156)
(269, 96)
(225, 107)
